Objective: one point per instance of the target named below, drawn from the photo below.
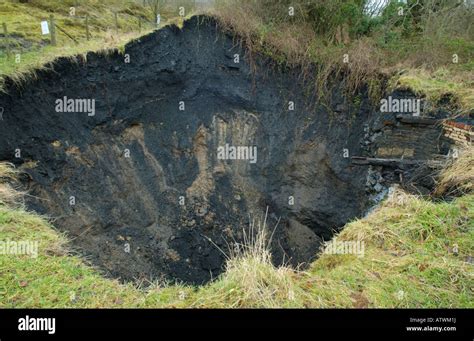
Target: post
(116, 22)
(88, 35)
(7, 40)
(52, 30)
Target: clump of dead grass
(9, 195)
(296, 44)
(458, 177)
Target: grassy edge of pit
(417, 253)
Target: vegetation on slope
(417, 253)
(30, 50)
(424, 45)
(363, 41)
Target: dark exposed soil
(134, 201)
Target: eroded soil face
(140, 187)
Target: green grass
(408, 262)
(444, 82)
(35, 50)
(56, 278)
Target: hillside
(110, 24)
(240, 158)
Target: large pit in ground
(139, 187)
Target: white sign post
(44, 27)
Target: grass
(458, 87)
(417, 253)
(408, 259)
(263, 29)
(33, 61)
(35, 50)
(372, 57)
(459, 177)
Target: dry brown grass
(294, 43)
(9, 195)
(458, 177)
(284, 40)
(265, 27)
(250, 278)
(365, 62)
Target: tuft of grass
(250, 278)
(458, 178)
(8, 194)
(7, 171)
